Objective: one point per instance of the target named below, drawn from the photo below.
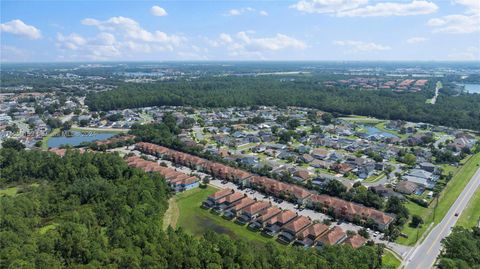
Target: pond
(371, 130)
(76, 138)
(470, 87)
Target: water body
(470, 87)
(371, 130)
(77, 138)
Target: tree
(327, 117)
(363, 232)
(395, 205)
(13, 144)
(13, 128)
(409, 159)
(293, 124)
(416, 221)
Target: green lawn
(373, 179)
(389, 260)
(448, 196)
(361, 119)
(471, 215)
(197, 221)
(12, 191)
(46, 138)
(99, 131)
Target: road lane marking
(469, 191)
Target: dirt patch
(171, 215)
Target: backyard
(447, 197)
(188, 215)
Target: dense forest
(91, 210)
(462, 249)
(462, 111)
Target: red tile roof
(355, 241)
(270, 185)
(268, 213)
(332, 236)
(221, 193)
(297, 224)
(314, 231)
(283, 217)
(256, 207)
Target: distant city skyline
(328, 30)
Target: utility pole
(435, 208)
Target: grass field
(373, 179)
(448, 196)
(96, 130)
(12, 191)
(389, 260)
(197, 221)
(361, 119)
(471, 215)
(46, 138)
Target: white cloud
(131, 29)
(466, 23)
(245, 44)
(361, 46)
(416, 39)
(158, 11)
(327, 6)
(239, 11)
(456, 24)
(359, 8)
(18, 27)
(119, 38)
(473, 6)
(244, 10)
(226, 38)
(72, 41)
(392, 9)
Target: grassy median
(447, 197)
(471, 215)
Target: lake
(77, 138)
(470, 87)
(370, 130)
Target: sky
(331, 30)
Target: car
(456, 214)
(224, 181)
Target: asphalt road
(425, 254)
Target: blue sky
(239, 30)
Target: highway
(424, 255)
